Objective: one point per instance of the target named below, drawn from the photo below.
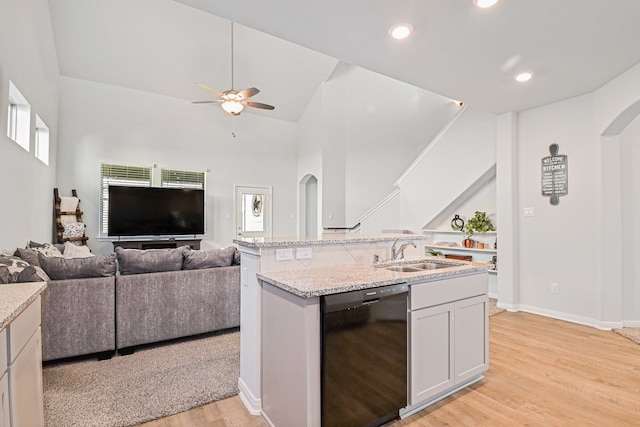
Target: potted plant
(479, 223)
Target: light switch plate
(528, 211)
(303, 253)
(284, 254)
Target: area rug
(493, 309)
(151, 383)
(632, 333)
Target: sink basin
(403, 269)
(412, 268)
(431, 265)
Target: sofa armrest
(79, 317)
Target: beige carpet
(632, 333)
(493, 309)
(151, 383)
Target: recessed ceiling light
(485, 3)
(523, 77)
(401, 31)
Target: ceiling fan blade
(259, 105)
(217, 101)
(207, 88)
(249, 92)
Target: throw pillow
(135, 261)
(75, 251)
(73, 229)
(13, 264)
(48, 250)
(29, 255)
(78, 268)
(209, 258)
(5, 277)
(32, 274)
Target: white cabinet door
(471, 344)
(25, 385)
(4, 401)
(431, 362)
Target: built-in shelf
(488, 233)
(492, 272)
(462, 249)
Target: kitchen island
(260, 255)
(447, 331)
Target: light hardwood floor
(543, 372)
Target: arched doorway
(620, 145)
(308, 209)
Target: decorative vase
(457, 223)
(468, 243)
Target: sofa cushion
(194, 260)
(136, 261)
(14, 269)
(77, 268)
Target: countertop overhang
(15, 297)
(328, 239)
(318, 281)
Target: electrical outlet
(554, 288)
(284, 254)
(528, 211)
(303, 253)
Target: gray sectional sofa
(95, 305)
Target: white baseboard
(253, 404)
(567, 317)
(631, 323)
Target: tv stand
(156, 244)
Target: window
(119, 175)
(141, 177)
(182, 179)
(42, 141)
(19, 117)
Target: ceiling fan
(232, 101)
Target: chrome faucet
(400, 251)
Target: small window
(42, 141)
(19, 117)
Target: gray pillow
(29, 255)
(32, 274)
(5, 276)
(78, 268)
(194, 260)
(135, 261)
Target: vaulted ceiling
(286, 48)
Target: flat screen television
(154, 211)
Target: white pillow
(74, 251)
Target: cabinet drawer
(22, 328)
(428, 294)
(3, 352)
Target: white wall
(369, 128)
(556, 242)
(28, 58)
(108, 124)
(630, 155)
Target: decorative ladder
(60, 221)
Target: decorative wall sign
(555, 176)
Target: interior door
(253, 212)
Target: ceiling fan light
(232, 107)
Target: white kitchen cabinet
(25, 368)
(449, 335)
(4, 382)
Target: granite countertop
(328, 239)
(14, 298)
(313, 282)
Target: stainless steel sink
(403, 269)
(412, 268)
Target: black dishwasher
(364, 356)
